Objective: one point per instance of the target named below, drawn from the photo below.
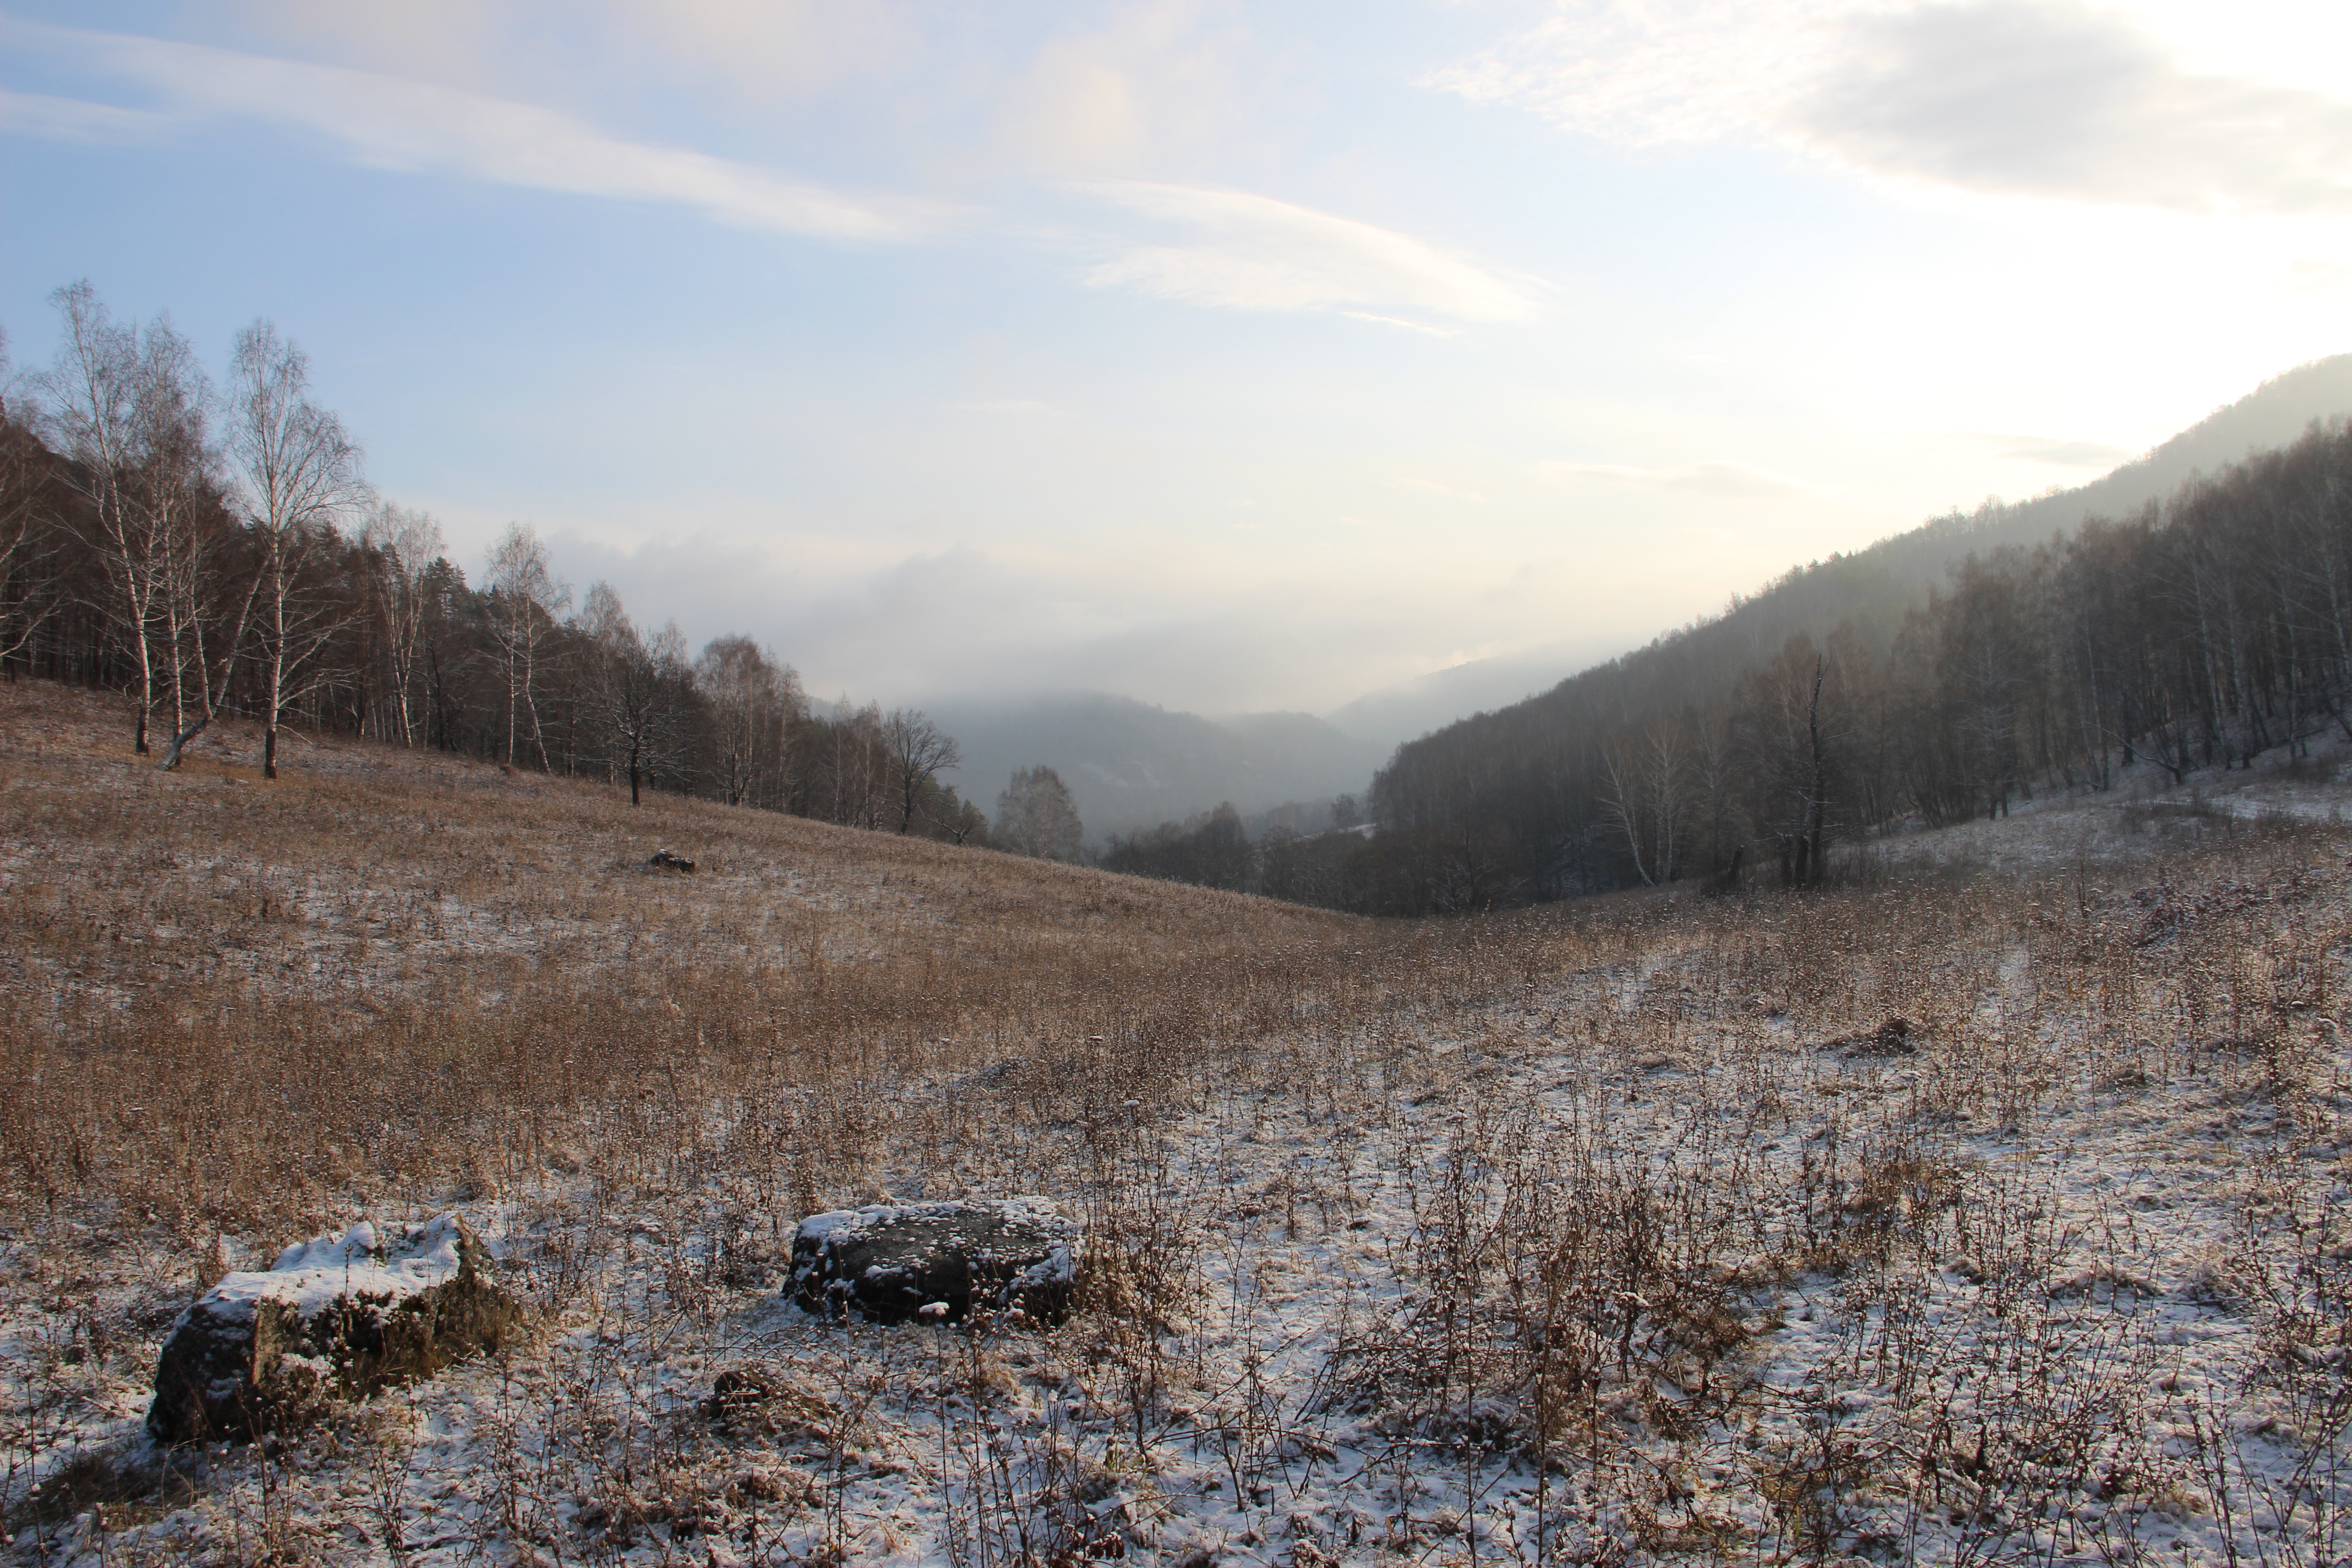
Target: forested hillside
(210, 550)
(2201, 630)
(215, 550)
(2271, 416)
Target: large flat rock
(337, 1317)
(890, 1262)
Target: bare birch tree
(754, 703)
(131, 410)
(300, 475)
(174, 486)
(528, 599)
(1625, 795)
(1646, 787)
(93, 395)
(406, 543)
(855, 763)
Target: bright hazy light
(1225, 355)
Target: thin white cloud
(2063, 100)
(1378, 320)
(1740, 481)
(1254, 253)
(2046, 97)
(1666, 71)
(1232, 250)
(71, 120)
(393, 122)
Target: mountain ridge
(2277, 411)
(1131, 764)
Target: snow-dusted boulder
(939, 1262)
(337, 1316)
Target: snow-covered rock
(938, 1262)
(337, 1316)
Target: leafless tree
(406, 543)
(638, 689)
(1987, 665)
(1712, 771)
(918, 750)
(527, 601)
(1647, 785)
(1037, 816)
(92, 395)
(1623, 798)
(300, 477)
(1790, 734)
(754, 704)
(131, 410)
(205, 598)
(30, 535)
(856, 765)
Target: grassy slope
(1619, 1220)
(404, 872)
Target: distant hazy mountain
(1131, 764)
(1868, 590)
(1413, 708)
(2271, 416)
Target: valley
(1982, 1204)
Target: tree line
(2206, 630)
(209, 549)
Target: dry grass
(249, 1006)
(1630, 1231)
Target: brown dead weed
(1952, 1217)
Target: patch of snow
(313, 1276)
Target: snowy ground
(1992, 1212)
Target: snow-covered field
(1991, 1209)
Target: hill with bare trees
(1956, 670)
(212, 549)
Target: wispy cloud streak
(72, 120)
(1255, 253)
(393, 122)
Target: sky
(1230, 356)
